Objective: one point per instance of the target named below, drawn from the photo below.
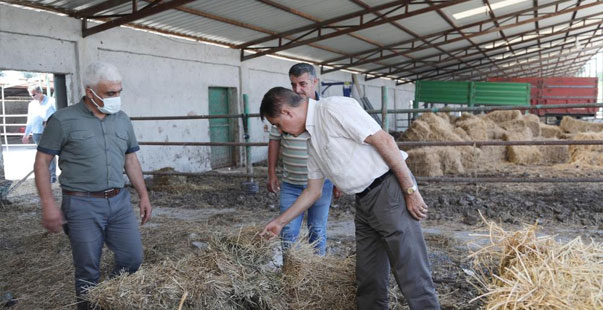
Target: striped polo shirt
(293, 155)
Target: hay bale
(424, 162)
(549, 131)
(522, 270)
(435, 161)
(590, 155)
(494, 131)
(517, 125)
(470, 156)
(450, 160)
(533, 122)
(475, 128)
(521, 154)
(504, 116)
(554, 154)
(418, 131)
(493, 153)
(572, 125)
(430, 127)
(462, 134)
(235, 272)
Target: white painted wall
(162, 76)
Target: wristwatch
(412, 190)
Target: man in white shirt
(348, 147)
(38, 112)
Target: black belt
(375, 183)
(102, 194)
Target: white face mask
(110, 105)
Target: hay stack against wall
(520, 270)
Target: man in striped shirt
(294, 154)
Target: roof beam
(517, 57)
(493, 70)
(323, 23)
(440, 34)
(90, 11)
(361, 25)
(247, 26)
(147, 11)
(495, 29)
(589, 40)
(408, 31)
(317, 20)
(552, 34)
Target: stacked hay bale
(573, 126)
(497, 125)
(235, 272)
(587, 155)
(518, 128)
(520, 270)
(437, 161)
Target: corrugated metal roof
(426, 38)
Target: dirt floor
(36, 269)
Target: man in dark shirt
(95, 141)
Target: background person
(38, 112)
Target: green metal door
(219, 128)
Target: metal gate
(220, 129)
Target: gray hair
(34, 88)
(300, 68)
(97, 72)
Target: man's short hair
(97, 72)
(273, 101)
(34, 88)
(301, 68)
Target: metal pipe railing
(400, 144)
(205, 143)
(419, 179)
(191, 117)
(490, 108)
(395, 111)
(487, 143)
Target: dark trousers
(91, 222)
(388, 237)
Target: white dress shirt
(37, 114)
(338, 127)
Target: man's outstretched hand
(272, 230)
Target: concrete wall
(162, 76)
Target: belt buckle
(107, 192)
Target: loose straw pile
(520, 270)
(235, 272)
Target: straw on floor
(235, 272)
(522, 270)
